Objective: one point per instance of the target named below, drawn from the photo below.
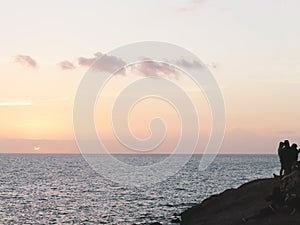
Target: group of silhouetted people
(288, 156)
(285, 198)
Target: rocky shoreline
(231, 206)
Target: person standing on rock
(283, 153)
(294, 154)
(290, 158)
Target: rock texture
(229, 207)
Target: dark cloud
(107, 63)
(66, 65)
(26, 60)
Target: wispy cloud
(32, 102)
(66, 65)
(17, 103)
(154, 69)
(26, 60)
(107, 63)
(146, 67)
(150, 68)
(62, 99)
(191, 5)
(187, 64)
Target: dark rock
(176, 220)
(231, 206)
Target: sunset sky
(251, 47)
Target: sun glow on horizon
(256, 65)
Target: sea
(65, 189)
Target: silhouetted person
(290, 157)
(294, 153)
(283, 153)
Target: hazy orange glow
(255, 60)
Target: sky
(251, 47)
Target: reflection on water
(64, 189)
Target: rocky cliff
(231, 206)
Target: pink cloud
(187, 64)
(26, 60)
(154, 69)
(146, 67)
(107, 63)
(66, 65)
(150, 68)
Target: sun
(36, 148)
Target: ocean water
(64, 189)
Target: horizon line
(29, 153)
